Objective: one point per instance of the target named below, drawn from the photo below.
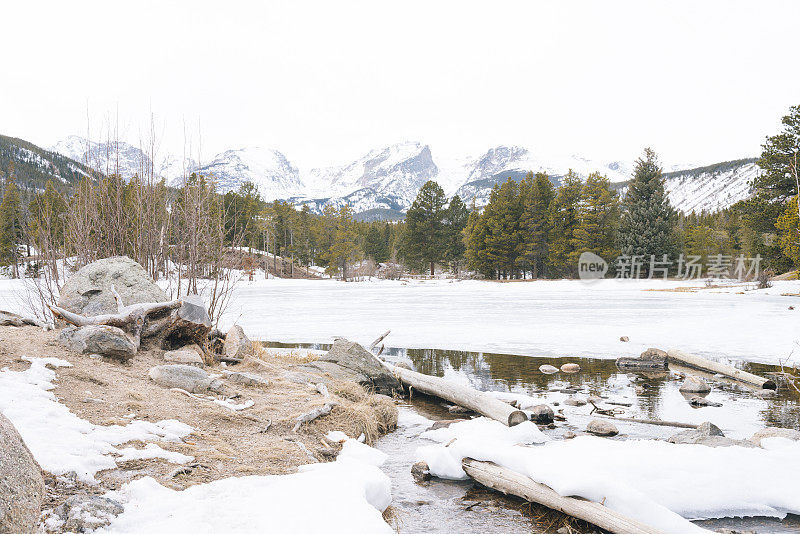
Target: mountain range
(384, 182)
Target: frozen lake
(541, 318)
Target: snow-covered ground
(542, 318)
(658, 483)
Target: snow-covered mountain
(389, 178)
(268, 169)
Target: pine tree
(648, 220)
(789, 227)
(424, 238)
(536, 195)
(564, 221)
(503, 229)
(376, 246)
(455, 219)
(344, 244)
(475, 235)
(598, 220)
(10, 226)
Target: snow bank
(60, 440)
(344, 496)
(656, 482)
(474, 436)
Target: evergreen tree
(475, 235)
(10, 225)
(424, 239)
(376, 244)
(564, 220)
(536, 195)
(598, 220)
(503, 229)
(648, 220)
(344, 244)
(456, 216)
(789, 227)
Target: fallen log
(464, 396)
(698, 362)
(508, 481)
(656, 422)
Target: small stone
(624, 339)
(186, 377)
(600, 427)
(653, 354)
(542, 414)
(548, 369)
(570, 368)
(188, 357)
(700, 401)
(98, 339)
(444, 423)
(766, 393)
(594, 399)
(706, 434)
(572, 401)
(569, 435)
(247, 379)
(421, 472)
(694, 384)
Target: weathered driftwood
(380, 338)
(697, 362)
(325, 409)
(465, 396)
(508, 481)
(656, 422)
(126, 318)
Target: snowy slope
(711, 188)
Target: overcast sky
(324, 82)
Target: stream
(450, 507)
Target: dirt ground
(255, 441)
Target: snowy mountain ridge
(389, 178)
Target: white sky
(324, 82)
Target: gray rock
(569, 435)
(653, 354)
(185, 355)
(237, 344)
(21, 484)
(350, 361)
(548, 369)
(700, 401)
(82, 513)
(707, 434)
(421, 472)
(542, 414)
(572, 401)
(774, 432)
(247, 379)
(570, 368)
(187, 377)
(99, 339)
(766, 393)
(600, 427)
(694, 384)
(624, 339)
(12, 319)
(88, 291)
(190, 323)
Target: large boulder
(707, 434)
(350, 361)
(99, 339)
(21, 483)
(237, 345)
(88, 291)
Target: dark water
(446, 506)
